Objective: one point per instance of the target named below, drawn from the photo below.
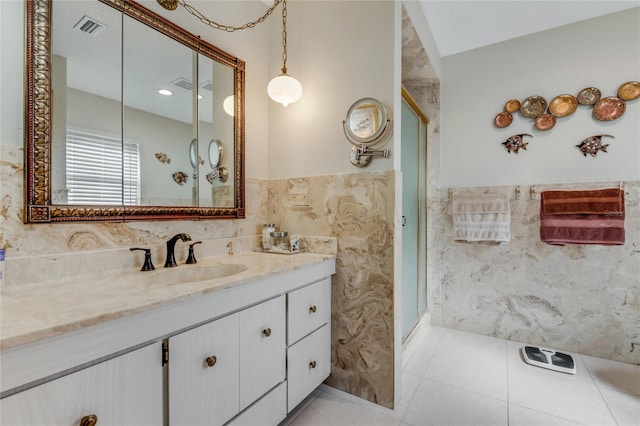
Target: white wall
(603, 52)
(338, 59)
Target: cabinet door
(203, 374)
(309, 363)
(126, 390)
(308, 309)
(262, 349)
(270, 410)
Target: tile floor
(445, 383)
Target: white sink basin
(193, 273)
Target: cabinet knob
(313, 309)
(266, 332)
(312, 364)
(90, 420)
(211, 360)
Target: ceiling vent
(90, 26)
(207, 85)
(183, 83)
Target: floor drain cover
(550, 359)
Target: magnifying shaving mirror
(366, 124)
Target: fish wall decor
(515, 142)
(592, 145)
(163, 158)
(180, 178)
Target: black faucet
(148, 265)
(171, 258)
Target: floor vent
(549, 359)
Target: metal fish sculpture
(163, 158)
(515, 142)
(592, 145)
(180, 177)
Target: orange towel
(606, 202)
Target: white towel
(481, 217)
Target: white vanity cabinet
(262, 349)
(204, 367)
(308, 340)
(125, 390)
(218, 369)
(235, 353)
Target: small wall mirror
(366, 122)
(215, 153)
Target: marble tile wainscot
(578, 298)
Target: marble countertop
(40, 310)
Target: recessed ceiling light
(165, 92)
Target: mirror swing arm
(38, 125)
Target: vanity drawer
(271, 409)
(309, 363)
(308, 309)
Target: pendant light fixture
(284, 88)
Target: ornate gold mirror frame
(38, 104)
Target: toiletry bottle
(267, 229)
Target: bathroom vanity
(169, 346)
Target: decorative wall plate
(512, 106)
(503, 119)
(533, 106)
(608, 109)
(563, 105)
(545, 122)
(629, 91)
(589, 96)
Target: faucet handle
(148, 265)
(191, 258)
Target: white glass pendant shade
(228, 105)
(284, 89)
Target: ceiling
(461, 25)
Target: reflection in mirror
(100, 146)
(214, 83)
(86, 127)
(366, 122)
(158, 122)
(215, 153)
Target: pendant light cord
(230, 28)
(284, 36)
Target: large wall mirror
(128, 117)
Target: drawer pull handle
(90, 420)
(313, 309)
(266, 332)
(211, 361)
(312, 364)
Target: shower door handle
(404, 220)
